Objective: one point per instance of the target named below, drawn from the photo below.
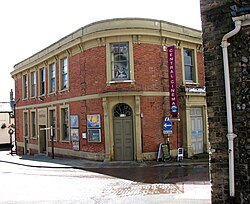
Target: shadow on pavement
(161, 174)
(145, 172)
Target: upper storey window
(64, 73)
(33, 84)
(120, 61)
(189, 65)
(25, 86)
(52, 78)
(42, 81)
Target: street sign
(167, 132)
(174, 109)
(167, 125)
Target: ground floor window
(52, 122)
(65, 123)
(33, 123)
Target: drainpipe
(230, 135)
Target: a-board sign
(163, 152)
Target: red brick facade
(89, 90)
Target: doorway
(42, 139)
(197, 133)
(123, 133)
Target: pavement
(187, 184)
(44, 161)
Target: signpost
(11, 132)
(164, 148)
(167, 127)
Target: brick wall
(87, 76)
(216, 22)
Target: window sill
(52, 94)
(190, 83)
(64, 90)
(121, 81)
(65, 141)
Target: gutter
(239, 22)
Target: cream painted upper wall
(108, 28)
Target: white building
(5, 121)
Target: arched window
(122, 110)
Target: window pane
(33, 123)
(25, 124)
(52, 78)
(53, 73)
(53, 87)
(33, 84)
(52, 117)
(42, 81)
(65, 127)
(188, 73)
(189, 64)
(120, 61)
(25, 86)
(65, 81)
(64, 67)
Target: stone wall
(216, 22)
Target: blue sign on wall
(167, 125)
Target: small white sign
(167, 132)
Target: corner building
(104, 90)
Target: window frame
(25, 86)
(109, 70)
(33, 124)
(25, 122)
(49, 122)
(194, 75)
(61, 76)
(50, 91)
(40, 83)
(33, 84)
(62, 122)
(115, 62)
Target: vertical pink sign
(172, 80)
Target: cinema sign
(172, 81)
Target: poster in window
(74, 121)
(94, 135)
(93, 121)
(75, 139)
(74, 134)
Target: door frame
(188, 101)
(122, 119)
(42, 139)
(109, 103)
(42, 121)
(194, 116)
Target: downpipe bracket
(231, 136)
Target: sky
(28, 26)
